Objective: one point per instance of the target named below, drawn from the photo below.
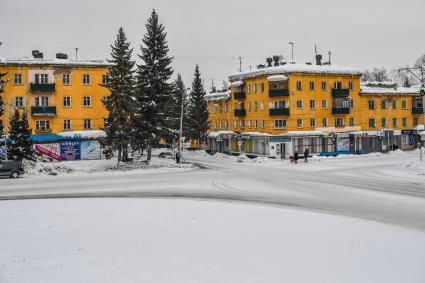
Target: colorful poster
(342, 144)
(2, 152)
(90, 150)
(70, 150)
(48, 151)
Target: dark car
(165, 154)
(11, 169)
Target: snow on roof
(296, 68)
(236, 83)
(83, 134)
(420, 128)
(301, 133)
(256, 134)
(339, 129)
(216, 134)
(277, 78)
(373, 90)
(53, 62)
(214, 96)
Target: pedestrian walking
(306, 155)
(178, 157)
(296, 156)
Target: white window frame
(312, 85)
(66, 79)
(105, 79)
(17, 79)
(67, 99)
(299, 104)
(312, 104)
(87, 122)
(280, 124)
(42, 101)
(67, 124)
(313, 122)
(324, 85)
(42, 125)
(89, 100)
(86, 79)
(404, 104)
(325, 122)
(19, 101)
(299, 85)
(263, 124)
(324, 104)
(299, 123)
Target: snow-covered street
(344, 219)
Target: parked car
(165, 154)
(11, 169)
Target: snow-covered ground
(170, 240)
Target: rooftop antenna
(329, 53)
(240, 64)
(292, 52)
(315, 49)
(76, 53)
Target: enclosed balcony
(34, 87)
(240, 112)
(340, 92)
(278, 92)
(239, 95)
(342, 110)
(278, 111)
(417, 110)
(43, 110)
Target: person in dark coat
(296, 156)
(178, 157)
(306, 155)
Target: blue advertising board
(70, 150)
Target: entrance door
(282, 150)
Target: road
(358, 189)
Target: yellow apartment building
(58, 94)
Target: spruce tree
(197, 110)
(25, 141)
(14, 150)
(153, 87)
(121, 101)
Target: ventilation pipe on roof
(276, 60)
(318, 59)
(37, 54)
(61, 56)
(269, 61)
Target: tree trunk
(125, 154)
(149, 153)
(119, 155)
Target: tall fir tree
(153, 87)
(197, 110)
(120, 103)
(20, 135)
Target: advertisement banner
(90, 150)
(70, 150)
(2, 152)
(47, 152)
(342, 144)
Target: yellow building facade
(57, 94)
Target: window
(215, 125)
(404, 122)
(105, 79)
(351, 103)
(263, 124)
(313, 123)
(415, 122)
(256, 123)
(17, 79)
(87, 124)
(249, 106)
(394, 104)
(372, 123)
(106, 99)
(41, 78)
(65, 79)
(384, 104)
(351, 85)
(338, 85)
(236, 123)
(249, 124)
(42, 101)
(299, 123)
(299, 85)
(67, 124)
(19, 101)
(105, 122)
(312, 104)
(226, 107)
(262, 106)
(87, 101)
(42, 125)
(384, 123)
(279, 124)
(404, 104)
(221, 125)
(351, 121)
(255, 88)
(312, 85)
(226, 124)
(324, 104)
(394, 122)
(324, 86)
(279, 104)
(339, 122)
(255, 106)
(67, 101)
(248, 88)
(299, 104)
(325, 122)
(371, 104)
(242, 123)
(86, 79)
(262, 87)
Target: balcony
(42, 87)
(336, 110)
(43, 110)
(278, 111)
(417, 110)
(278, 92)
(239, 95)
(340, 92)
(240, 112)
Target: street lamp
(184, 95)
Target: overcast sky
(361, 33)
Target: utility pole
(181, 127)
(292, 50)
(240, 64)
(329, 53)
(76, 53)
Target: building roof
(297, 68)
(215, 96)
(388, 89)
(27, 61)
